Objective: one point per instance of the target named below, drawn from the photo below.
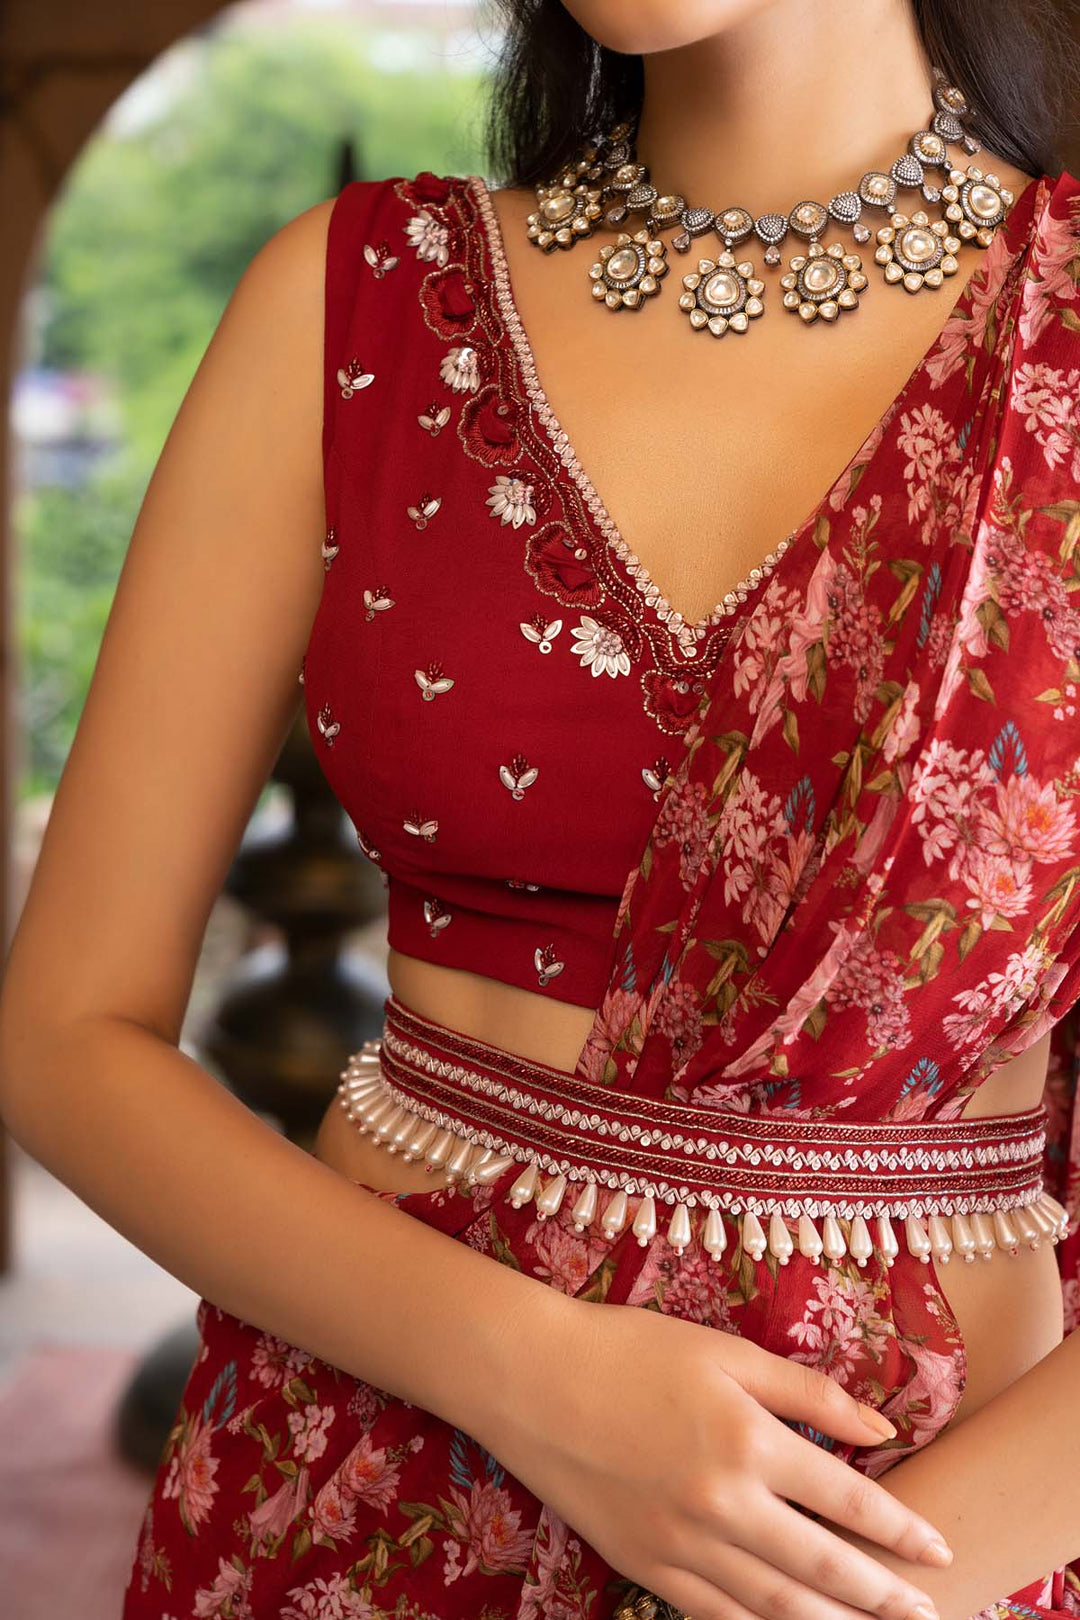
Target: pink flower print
(841, 1325)
(308, 1428)
(999, 886)
(332, 1599)
(1051, 277)
(678, 1016)
(565, 1258)
(873, 980)
(365, 1473)
(611, 1020)
(930, 1398)
(684, 820)
(806, 628)
(1048, 401)
(333, 1513)
(489, 1529)
(905, 725)
(270, 1520)
(1029, 820)
(691, 1286)
(365, 1403)
(230, 1592)
(274, 1361)
(191, 1472)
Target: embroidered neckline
(687, 633)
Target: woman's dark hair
(555, 88)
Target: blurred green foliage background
(143, 249)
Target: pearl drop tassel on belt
(419, 1132)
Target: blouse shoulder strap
(383, 237)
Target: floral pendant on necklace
(917, 252)
(823, 282)
(722, 294)
(628, 270)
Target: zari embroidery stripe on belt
(473, 1110)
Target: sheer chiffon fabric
(858, 897)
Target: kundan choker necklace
(606, 183)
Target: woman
(793, 867)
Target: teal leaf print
(931, 592)
(1007, 756)
(460, 1472)
(799, 805)
(223, 1391)
(924, 1077)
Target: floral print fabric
(859, 897)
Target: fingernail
(922, 1611)
(877, 1422)
(936, 1552)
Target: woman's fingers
(738, 1575)
(792, 1390)
(812, 1554)
(812, 1476)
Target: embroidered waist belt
(473, 1110)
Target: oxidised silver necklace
(607, 184)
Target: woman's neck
(794, 101)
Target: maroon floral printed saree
(860, 896)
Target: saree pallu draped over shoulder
(859, 897)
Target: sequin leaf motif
(654, 776)
(429, 236)
(420, 828)
(352, 377)
(432, 681)
(425, 509)
(368, 848)
(511, 501)
(436, 916)
(600, 648)
(541, 631)
(547, 964)
(518, 775)
(380, 258)
(329, 549)
(377, 601)
(434, 419)
(328, 727)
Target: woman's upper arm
(196, 682)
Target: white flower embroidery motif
(425, 509)
(654, 776)
(459, 368)
(377, 601)
(329, 549)
(352, 377)
(380, 258)
(433, 420)
(328, 727)
(600, 647)
(420, 828)
(518, 775)
(547, 964)
(432, 681)
(436, 916)
(541, 631)
(510, 500)
(430, 238)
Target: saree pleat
(859, 897)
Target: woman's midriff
(1008, 1309)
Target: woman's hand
(661, 1442)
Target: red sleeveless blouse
(495, 688)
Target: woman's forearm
(1002, 1488)
(198, 1181)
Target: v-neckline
(685, 630)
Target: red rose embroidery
(489, 428)
(672, 702)
(447, 302)
(430, 188)
(553, 561)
